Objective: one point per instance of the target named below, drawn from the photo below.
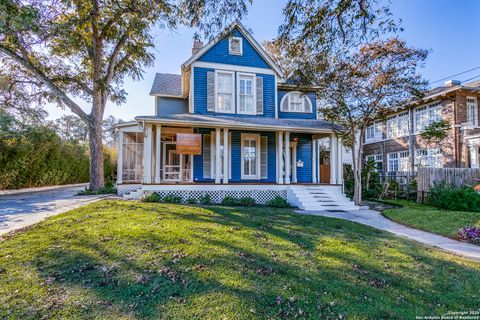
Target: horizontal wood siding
(219, 54)
(304, 153)
(200, 92)
(198, 160)
(297, 115)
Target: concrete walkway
(376, 220)
(23, 208)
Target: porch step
(320, 197)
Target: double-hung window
(426, 115)
(250, 156)
(373, 132)
(224, 92)
(397, 126)
(398, 161)
(246, 96)
(472, 111)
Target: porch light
(295, 139)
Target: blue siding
(219, 54)
(236, 158)
(304, 153)
(200, 94)
(297, 115)
(167, 105)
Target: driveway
(22, 208)
(377, 220)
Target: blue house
(231, 125)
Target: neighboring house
(395, 144)
(232, 125)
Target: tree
(81, 50)
(344, 48)
(435, 133)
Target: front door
(172, 162)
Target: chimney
(452, 83)
(197, 45)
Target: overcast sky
(449, 28)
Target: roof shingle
(167, 84)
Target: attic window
(235, 45)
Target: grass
(435, 220)
(131, 260)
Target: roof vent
(451, 83)
(197, 45)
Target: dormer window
(235, 45)
(296, 102)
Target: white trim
(147, 154)
(294, 161)
(191, 100)
(280, 157)
(158, 139)
(255, 136)
(167, 96)
(232, 111)
(254, 92)
(305, 98)
(230, 46)
(120, 157)
(314, 161)
(247, 35)
(287, 158)
(226, 155)
(218, 164)
(276, 99)
(475, 111)
(231, 67)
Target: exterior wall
(200, 94)
(297, 115)
(304, 153)
(165, 105)
(219, 54)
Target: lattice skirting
(216, 196)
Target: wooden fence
(428, 177)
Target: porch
(164, 154)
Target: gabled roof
(166, 84)
(441, 90)
(247, 35)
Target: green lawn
(432, 219)
(131, 260)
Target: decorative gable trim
(247, 35)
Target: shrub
(454, 198)
(278, 202)
(151, 197)
(191, 201)
(469, 234)
(247, 202)
(230, 201)
(206, 200)
(104, 190)
(171, 198)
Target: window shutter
(210, 91)
(206, 156)
(263, 157)
(213, 152)
(259, 89)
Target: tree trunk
(357, 169)
(97, 180)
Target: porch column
(333, 159)
(158, 139)
(294, 162)
(120, 157)
(287, 158)
(340, 161)
(314, 160)
(218, 162)
(226, 155)
(280, 157)
(147, 154)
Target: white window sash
(252, 77)
(306, 103)
(232, 102)
(256, 137)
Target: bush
(247, 202)
(470, 234)
(278, 202)
(104, 190)
(171, 198)
(454, 198)
(206, 200)
(191, 201)
(230, 201)
(152, 197)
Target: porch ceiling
(235, 122)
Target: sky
(448, 28)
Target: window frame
(377, 128)
(399, 157)
(305, 98)
(243, 138)
(424, 113)
(254, 92)
(429, 157)
(216, 93)
(377, 158)
(397, 131)
(475, 111)
(240, 52)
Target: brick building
(395, 144)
